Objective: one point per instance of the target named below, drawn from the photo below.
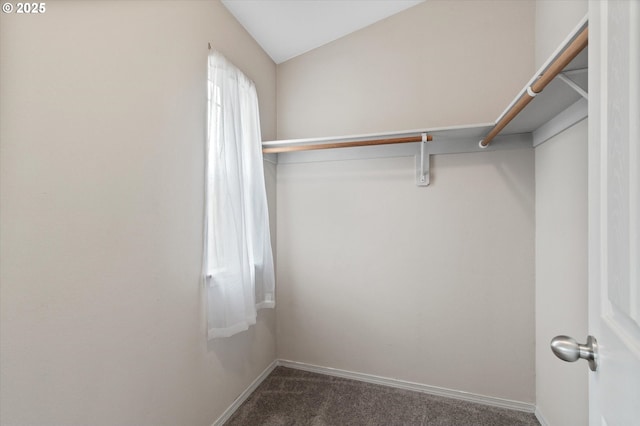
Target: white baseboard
(417, 387)
(540, 417)
(244, 395)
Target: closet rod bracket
(422, 163)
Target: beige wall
(437, 64)
(561, 241)
(102, 115)
(554, 21)
(561, 273)
(431, 285)
(375, 275)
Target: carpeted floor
(293, 397)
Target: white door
(614, 210)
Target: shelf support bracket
(422, 163)
(562, 76)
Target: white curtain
(238, 259)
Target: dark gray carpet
(291, 397)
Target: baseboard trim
(418, 387)
(244, 395)
(540, 417)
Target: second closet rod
(568, 55)
(292, 148)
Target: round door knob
(568, 349)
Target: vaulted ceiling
(288, 28)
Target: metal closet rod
(568, 55)
(388, 141)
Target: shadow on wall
(237, 353)
(512, 176)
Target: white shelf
(556, 108)
(558, 96)
(554, 99)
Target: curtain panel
(238, 260)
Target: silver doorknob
(567, 349)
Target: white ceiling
(288, 28)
